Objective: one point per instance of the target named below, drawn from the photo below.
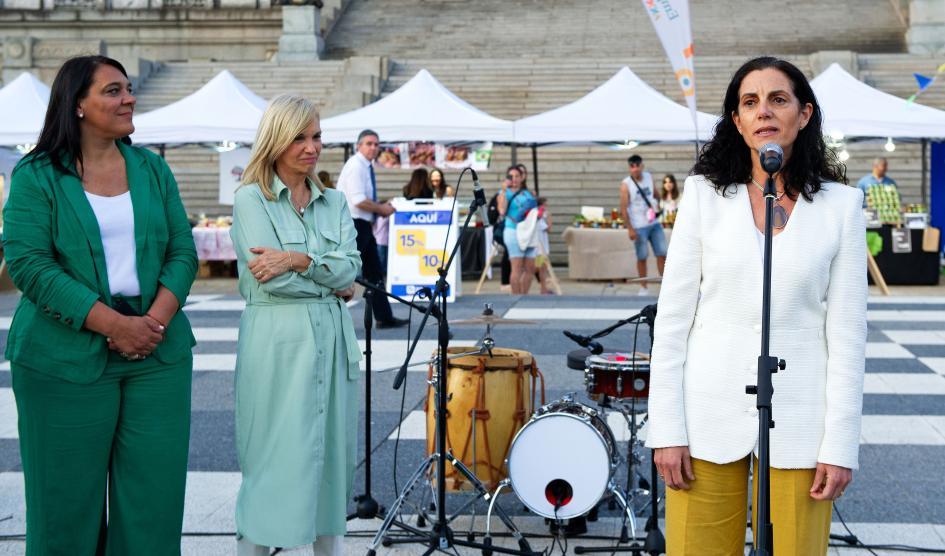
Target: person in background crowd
(382, 237)
(419, 185)
(524, 170)
(297, 356)
(359, 184)
(495, 220)
(703, 427)
(325, 178)
(876, 177)
(97, 240)
(669, 201)
(640, 211)
(543, 260)
(438, 181)
(516, 200)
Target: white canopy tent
(622, 109)
(422, 109)
(222, 110)
(855, 109)
(22, 110)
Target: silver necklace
(778, 214)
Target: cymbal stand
(440, 537)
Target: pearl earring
(81, 115)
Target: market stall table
(918, 267)
(213, 243)
(603, 254)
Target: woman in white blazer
(703, 426)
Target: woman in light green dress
(297, 362)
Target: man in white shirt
(640, 211)
(359, 184)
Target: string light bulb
(844, 155)
(889, 146)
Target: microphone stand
(764, 531)
(367, 506)
(441, 536)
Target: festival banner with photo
(417, 154)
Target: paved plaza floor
(897, 497)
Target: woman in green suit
(97, 241)
(297, 360)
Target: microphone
(585, 342)
(771, 157)
(480, 196)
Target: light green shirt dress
(296, 370)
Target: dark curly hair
(726, 160)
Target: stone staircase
(457, 29)
(519, 87)
(175, 80)
(893, 73)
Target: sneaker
(643, 291)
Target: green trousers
(126, 435)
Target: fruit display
(885, 199)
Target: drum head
(559, 457)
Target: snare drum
(489, 399)
(565, 456)
(618, 375)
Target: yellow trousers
(710, 518)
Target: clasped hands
(674, 466)
(134, 338)
(272, 263)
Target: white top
(638, 207)
(355, 182)
(708, 329)
(116, 223)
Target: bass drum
(562, 461)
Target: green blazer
(53, 249)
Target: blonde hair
(285, 118)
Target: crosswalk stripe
(877, 429)
(561, 313)
(937, 364)
(887, 350)
(8, 419)
(904, 383)
(906, 299)
(233, 305)
(926, 430)
(917, 337)
(906, 316)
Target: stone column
(926, 34)
(301, 39)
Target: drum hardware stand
(440, 537)
(771, 157)
(655, 542)
(367, 506)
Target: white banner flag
(671, 20)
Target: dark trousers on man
(371, 268)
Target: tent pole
(514, 154)
(925, 172)
(347, 151)
(535, 167)
(161, 149)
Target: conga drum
(488, 400)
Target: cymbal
(491, 320)
(655, 279)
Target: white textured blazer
(708, 329)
